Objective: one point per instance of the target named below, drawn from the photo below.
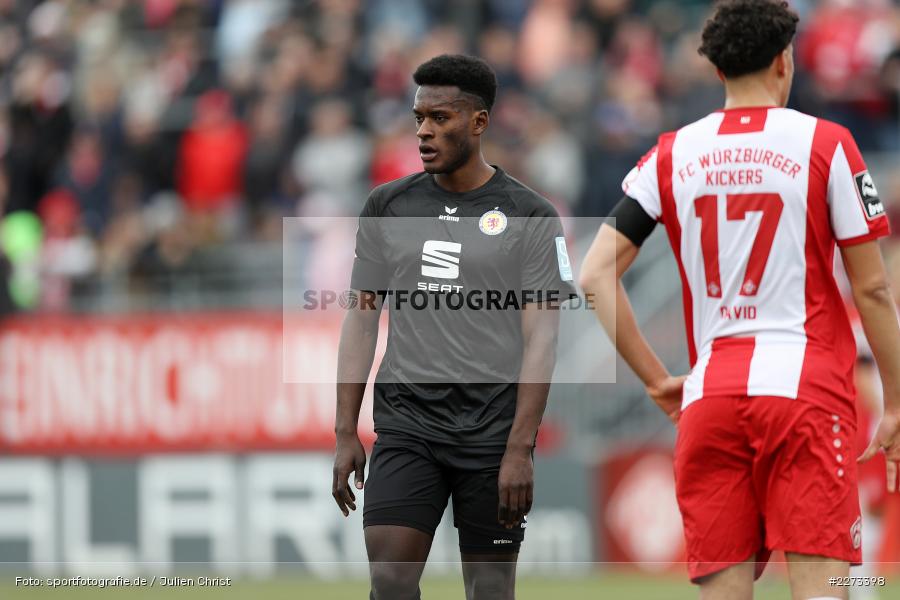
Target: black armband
(629, 218)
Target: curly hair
(745, 36)
(470, 74)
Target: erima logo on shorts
(868, 194)
(438, 259)
(498, 542)
(856, 533)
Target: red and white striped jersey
(754, 201)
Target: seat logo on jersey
(868, 194)
(493, 222)
(449, 212)
(438, 259)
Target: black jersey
(457, 269)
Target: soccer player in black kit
(460, 393)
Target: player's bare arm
(873, 299)
(540, 327)
(609, 257)
(356, 352)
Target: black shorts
(410, 481)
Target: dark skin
(356, 352)
(449, 125)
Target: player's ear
(788, 57)
(480, 121)
(781, 62)
(720, 75)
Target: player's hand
(516, 483)
(887, 438)
(350, 457)
(667, 395)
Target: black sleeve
(629, 219)
(546, 267)
(370, 273)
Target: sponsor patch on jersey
(440, 259)
(493, 222)
(630, 178)
(868, 194)
(562, 257)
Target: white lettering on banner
(62, 389)
(244, 505)
(11, 350)
(31, 518)
(163, 406)
(208, 507)
(290, 497)
(166, 383)
(233, 349)
(111, 364)
(79, 554)
(564, 540)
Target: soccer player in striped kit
(754, 199)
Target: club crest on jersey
(493, 222)
(868, 195)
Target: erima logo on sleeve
(438, 259)
(868, 194)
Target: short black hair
(469, 73)
(745, 36)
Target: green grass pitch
(619, 586)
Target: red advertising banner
(167, 382)
(640, 525)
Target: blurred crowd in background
(138, 135)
